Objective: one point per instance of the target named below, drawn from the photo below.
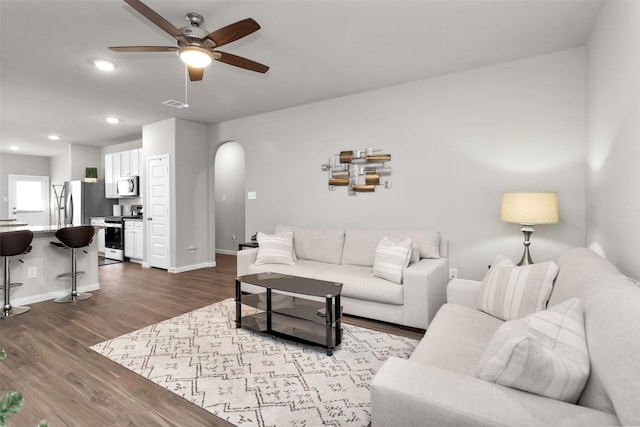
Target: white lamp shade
(194, 56)
(529, 208)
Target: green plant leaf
(10, 403)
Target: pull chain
(186, 86)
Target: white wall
(229, 196)
(457, 142)
(613, 151)
(187, 146)
(192, 195)
(60, 167)
(82, 157)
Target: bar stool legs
(13, 243)
(75, 295)
(7, 309)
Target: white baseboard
(226, 252)
(32, 299)
(191, 267)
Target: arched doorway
(229, 175)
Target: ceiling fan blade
(233, 32)
(152, 16)
(143, 48)
(241, 62)
(195, 74)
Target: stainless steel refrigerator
(82, 200)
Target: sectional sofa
(588, 376)
(348, 257)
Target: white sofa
(437, 385)
(346, 256)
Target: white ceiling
(316, 50)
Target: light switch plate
(251, 195)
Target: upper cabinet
(120, 165)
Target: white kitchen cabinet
(125, 163)
(110, 181)
(134, 162)
(130, 163)
(99, 234)
(133, 240)
(120, 165)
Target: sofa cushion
(360, 245)
(359, 284)
(456, 339)
(275, 248)
(509, 292)
(580, 270)
(612, 320)
(316, 244)
(392, 257)
(543, 353)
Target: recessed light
(14, 148)
(113, 120)
(103, 65)
(54, 137)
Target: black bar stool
(74, 238)
(13, 243)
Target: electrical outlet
(233, 237)
(453, 273)
(32, 272)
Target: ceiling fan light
(194, 56)
(104, 65)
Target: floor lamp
(529, 209)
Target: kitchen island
(44, 263)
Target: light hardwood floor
(66, 383)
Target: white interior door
(29, 199)
(158, 211)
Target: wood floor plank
(66, 383)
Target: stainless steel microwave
(128, 187)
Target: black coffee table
(287, 311)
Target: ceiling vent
(175, 104)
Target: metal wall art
(359, 171)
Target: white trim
(226, 251)
(191, 267)
(32, 299)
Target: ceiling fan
(196, 46)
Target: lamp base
(527, 230)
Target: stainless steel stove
(114, 238)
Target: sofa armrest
(424, 284)
(463, 292)
(408, 393)
(244, 259)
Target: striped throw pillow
(509, 292)
(544, 353)
(392, 257)
(275, 248)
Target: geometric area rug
(252, 379)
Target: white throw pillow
(392, 257)
(543, 353)
(509, 292)
(415, 254)
(275, 248)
